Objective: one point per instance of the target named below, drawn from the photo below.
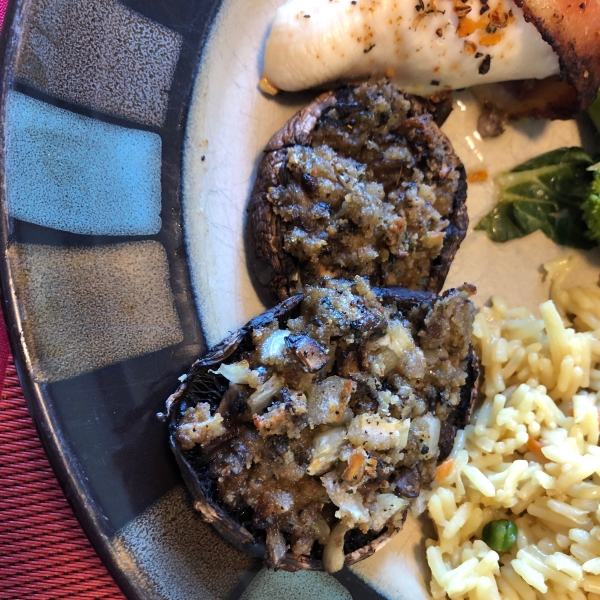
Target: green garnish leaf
(591, 208)
(594, 111)
(545, 193)
(556, 157)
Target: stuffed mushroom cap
(363, 182)
(304, 436)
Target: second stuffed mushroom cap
(360, 182)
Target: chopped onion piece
(272, 348)
(327, 446)
(261, 398)
(236, 373)
(400, 340)
(388, 506)
(378, 433)
(328, 400)
(351, 511)
(428, 428)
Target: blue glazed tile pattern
(86, 308)
(77, 174)
(100, 54)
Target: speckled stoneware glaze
(130, 133)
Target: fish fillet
(422, 46)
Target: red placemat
(44, 553)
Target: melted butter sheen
(422, 46)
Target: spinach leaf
(555, 157)
(591, 208)
(544, 193)
(594, 111)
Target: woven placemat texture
(44, 553)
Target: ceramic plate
(130, 136)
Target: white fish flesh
(422, 46)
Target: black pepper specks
(462, 11)
(307, 16)
(203, 158)
(484, 67)
(484, 9)
(478, 55)
(367, 50)
(435, 82)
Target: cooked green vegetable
(500, 535)
(545, 193)
(591, 208)
(594, 111)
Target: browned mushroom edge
(201, 385)
(274, 272)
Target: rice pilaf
(530, 455)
